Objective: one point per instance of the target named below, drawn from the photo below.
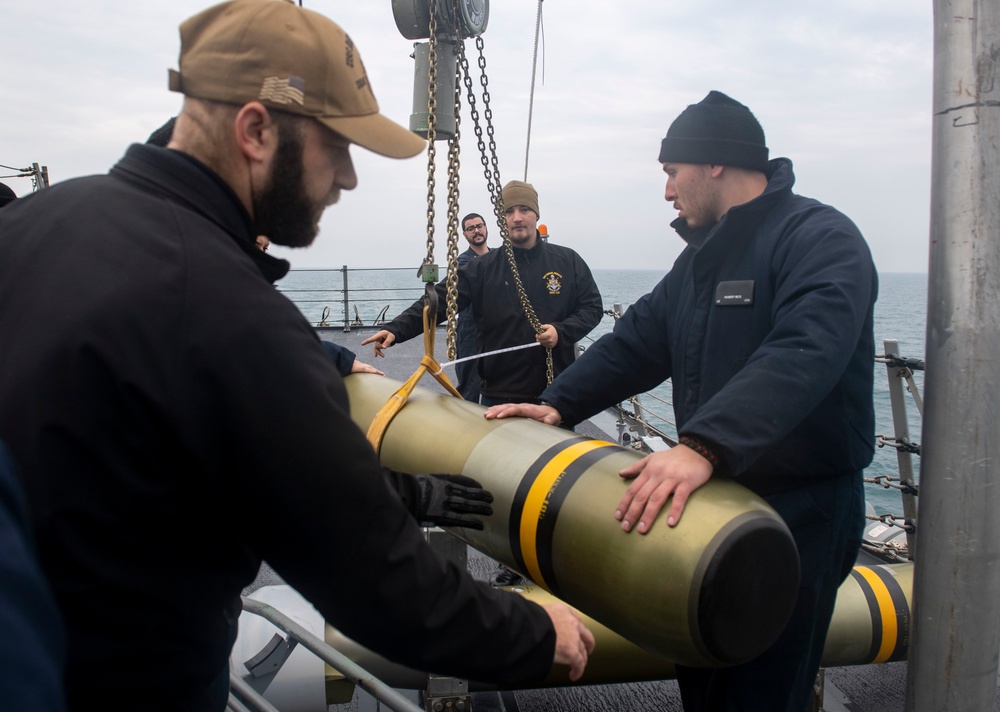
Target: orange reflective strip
(887, 610)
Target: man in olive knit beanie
(764, 326)
(558, 284)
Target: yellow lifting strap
(376, 431)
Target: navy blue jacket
(32, 638)
(465, 330)
(764, 325)
(342, 357)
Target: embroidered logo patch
(553, 282)
(283, 91)
(349, 56)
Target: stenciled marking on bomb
(538, 499)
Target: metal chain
(894, 549)
(493, 188)
(894, 361)
(901, 444)
(454, 165)
(426, 268)
(891, 550)
(893, 520)
(885, 481)
(491, 170)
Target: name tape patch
(736, 293)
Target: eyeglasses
(473, 228)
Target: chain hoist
(491, 171)
(459, 19)
(428, 269)
(429, 272)
(454, 166)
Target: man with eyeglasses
(475, 231)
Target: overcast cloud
(843, 88)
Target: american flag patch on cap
(283, 91)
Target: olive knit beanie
(518, 192)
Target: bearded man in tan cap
(559, 286)
(181, 422)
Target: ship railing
(900, 372)
(639, 426)
(246, 692)
(316, 302)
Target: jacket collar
(187, 181)
(780, 180)
(531, 253)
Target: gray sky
(842, 87)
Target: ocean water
(900, 314)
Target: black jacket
(176, 421)
(465, 329)
(562, 292)
(764, 326)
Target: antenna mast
(531, 99)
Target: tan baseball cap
(290, 59)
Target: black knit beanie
(717, 130)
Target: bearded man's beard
(281, 209)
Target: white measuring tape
(488, 353)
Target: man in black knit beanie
(764, 326)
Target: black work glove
(442, 500)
